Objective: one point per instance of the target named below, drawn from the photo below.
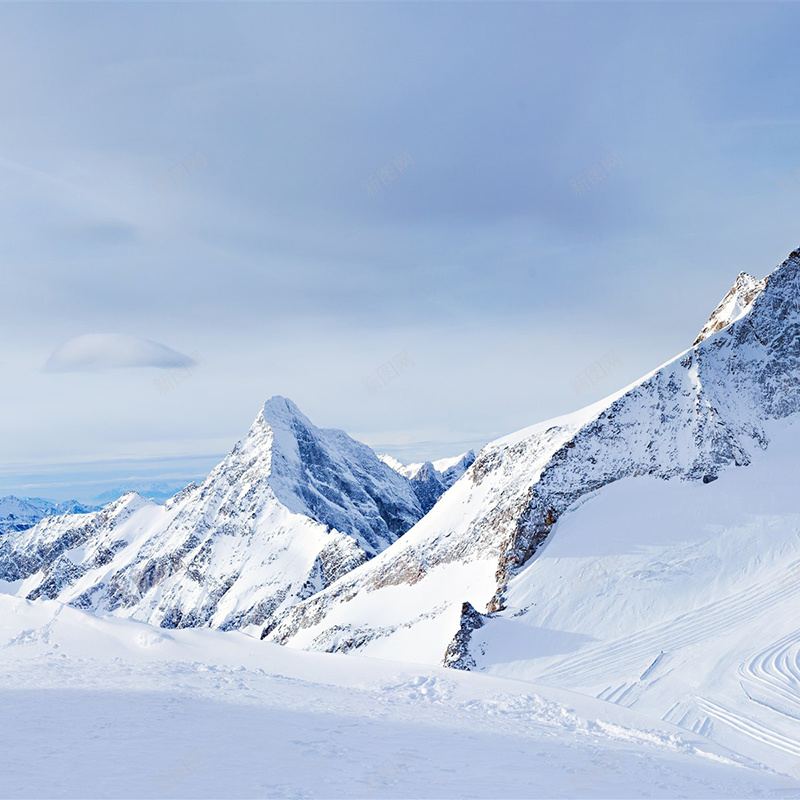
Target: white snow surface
(679, 599)
(109, 707)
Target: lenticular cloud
(97, 352)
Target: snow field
(114, 708)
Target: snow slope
(114, 708)
(289, 510)
(678, 599)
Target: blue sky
(194, 179)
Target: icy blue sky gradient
(273, 263)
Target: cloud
(97, 352)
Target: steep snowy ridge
(699, 414)
(288, 511)
(406, 470)
(451, 469)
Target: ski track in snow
(772, 677)
(727, 669)
(632, 653)
(749, 726)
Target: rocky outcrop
(457, 655)
(428, 486)
(734, 305)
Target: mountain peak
(325, 475)
(279, 407)
(279, 401)
(733, 306)
(290, 509)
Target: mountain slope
(675, 598)
(691, 419)
(289, 510)
(734, 305)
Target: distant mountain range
(159, 492)
(431, 479)
(20, 513)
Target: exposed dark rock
(457, 655)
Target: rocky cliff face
(290, 510)
(701, 413)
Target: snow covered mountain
(459, 586)
(19, 513)
(431, 479)
(616, 551)
(290, 509)
(451, 469)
